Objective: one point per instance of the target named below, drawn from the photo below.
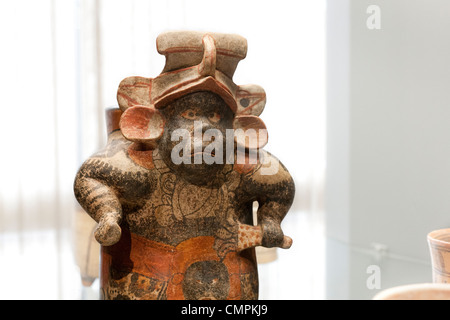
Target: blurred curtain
(61, 62)
(38, 85)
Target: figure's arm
(102, 188)
(274, 189)
(100, 201)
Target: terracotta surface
(439, 244)
(185, 230)
(421, 291)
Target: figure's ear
(134, 91)
(251, 100)
(142, 124)
(250, 132)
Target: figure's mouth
(207, 298)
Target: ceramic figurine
(173, 189)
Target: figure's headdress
(195, 61)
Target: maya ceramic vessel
(174, 187)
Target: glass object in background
(439, 244)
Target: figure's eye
(214, 117)
(189, 114)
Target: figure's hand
(287, 242)
(252, 236)
(273, 236)
(108, 231)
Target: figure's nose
(201, 126)
(205, 124)
(201, 138)
(197, 135)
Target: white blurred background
(61, 62)
(360, 116)
(388, 141)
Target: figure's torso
(164, 226)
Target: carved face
(206, 280)
(195, 134)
